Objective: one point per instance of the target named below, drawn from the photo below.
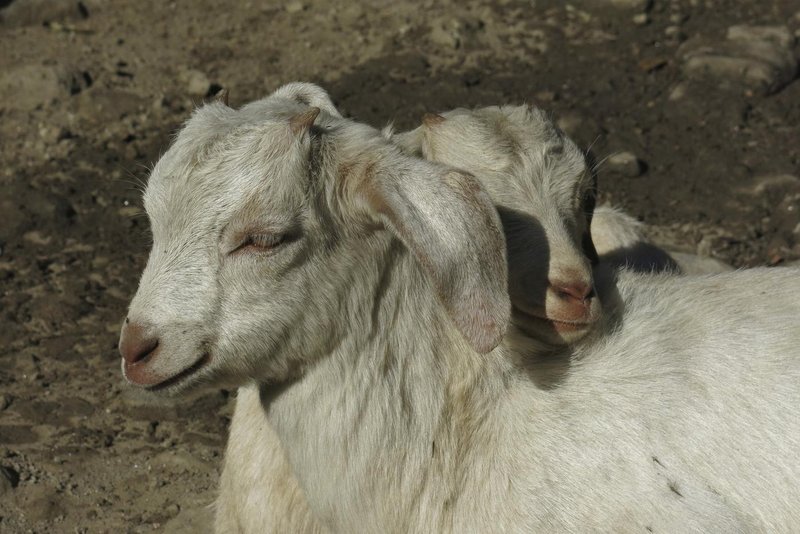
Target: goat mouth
(144, 378)
(192, 369)
(560, 325)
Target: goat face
(263, 227)
(544, 193)
(228, 212)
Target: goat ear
(449, 223)
(302, 122)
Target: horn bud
(222, 96)
(432, 119)
(302, 122)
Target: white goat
(358, 288)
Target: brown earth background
(699, 115)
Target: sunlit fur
(678, 417)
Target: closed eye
(258, 242)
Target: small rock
(546, 96)
(641, 19)
(197, 83)
(779, 35)
(626, 163)
(773, 181)
(446, 37)
(9, 479)
(5, 401)
(651, 64)
(172, 510)
(759, 57)
(37, 238)
(674, 32)
(677, 18)
(678, 92)
(294, 7)
(30, 86)
(42, 12)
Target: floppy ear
(449, 223)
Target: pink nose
(575, 292)
(135, 344)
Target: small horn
(432, 119)
(303, 121)
(222, 96)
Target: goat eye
(589, 202)
(258, 243)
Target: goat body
(361, 294)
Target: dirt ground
(91, 91)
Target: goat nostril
(579, 291)
(141, 351)
(135, 345)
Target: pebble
(38, 12)
(37, 238)
(546, 96)
(641, 19)
(30, 86)
(769, 182)
(759, 57)
(294, 7)
(674, 32)
(197, 83)
(626, 163)
(446, 33)
(780, 35)
(5, 399)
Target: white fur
(676, 415)
(681, 419)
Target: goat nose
(575, 291)
(135, 344)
